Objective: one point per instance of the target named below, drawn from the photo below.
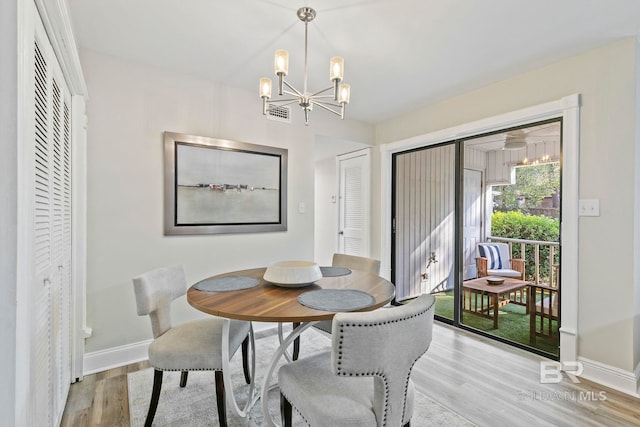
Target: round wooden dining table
(267, 302)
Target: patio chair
(191, 346)
(543, 311)
(494, 259)
(335, 388)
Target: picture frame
(218, 186)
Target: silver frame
(171, 139)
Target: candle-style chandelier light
(304, 98)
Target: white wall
(326, 219)
(129, 108)
(606, 79)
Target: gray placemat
(334, 271)
(226, 284)
(336, 299)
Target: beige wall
(606, 80)
(129, 108)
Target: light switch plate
(589, 207)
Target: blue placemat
(226, 284)
(334, 271)
(336, 299)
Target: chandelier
(304, 98)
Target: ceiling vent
(279, 113)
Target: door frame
(566, 108)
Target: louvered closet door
(354, 203)
(51, 233)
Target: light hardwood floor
(487, 382)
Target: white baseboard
(636, 372)
(115, 357)
(612, 377)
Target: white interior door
(472, 220)
(354, 207)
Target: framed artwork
(215, 186)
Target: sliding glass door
(424, 227)
(498, 191)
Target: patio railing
(525, 247)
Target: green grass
(513, 322)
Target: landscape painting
(221, 186)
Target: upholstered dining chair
(190, 346)
(356, 262)
(352, 262)
(347, 261)
(335, 387)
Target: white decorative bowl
(293, 274)
(495, 280)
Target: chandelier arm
(297, 92)
(325, 106)
(292, 94)
(324, 97)
(285, 101)
(322, 91)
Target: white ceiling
(399, 54)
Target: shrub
(517, 225)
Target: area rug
(194, 405)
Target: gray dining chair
(190, 346)
(364, 380)
(347, 261)
(352, 262)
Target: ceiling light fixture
(341, 91)
(515, 141)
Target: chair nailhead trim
(185, 369)
(378, 374)
(294, 407)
